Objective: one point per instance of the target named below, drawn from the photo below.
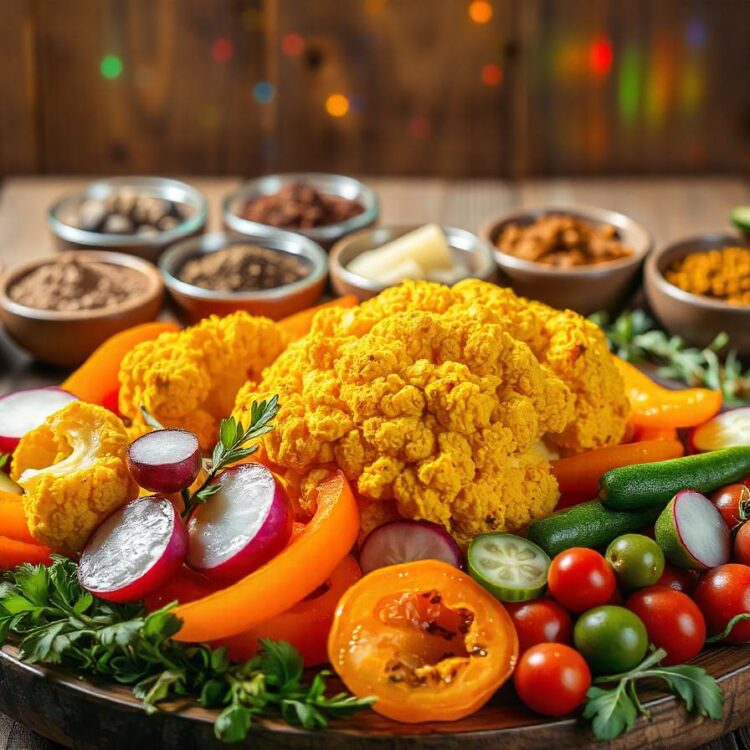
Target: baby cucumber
(644, 486)
(586, 525)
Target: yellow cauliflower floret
(190, 378)
(74, 472)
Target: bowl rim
(153, 290)
(311, 251)
(354, 279)
(654, 272)
(641, 249)
(69, 233)
(327, 233)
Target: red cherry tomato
(724, 593)
(540, 621)
(679, 579)
(580, 579)
(552, 679)
(728, 501)
(673, 621)
(742, 545)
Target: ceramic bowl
(197, 302)
(148, 247)
(332, 184)
(467, 249)
(67, 338)
(585, 289)
(696, 319)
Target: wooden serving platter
(91, 715)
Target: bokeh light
(222, 50)
(111, 67)
(629, 85)
(600, 56)
(264, 92)
(480, 11)
(292, 44)
(420, 128)
(337, 105)
(492, 74)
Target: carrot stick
(13, 522)
(299, 324)
(13, 553)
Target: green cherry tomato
(611, 639)
(637, 561)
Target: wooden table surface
(669, 208)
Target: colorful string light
(222, 50)
(420, 128)
(264, 92)
(601, 56)
(337, 105)
(111, 67)
(629, 85)
(480, 11)
(492, 74)
(292, 44)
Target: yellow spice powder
(722, 274)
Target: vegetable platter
(442, 517)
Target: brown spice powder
(72, 284)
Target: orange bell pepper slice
(298, 325)
(286, 579)
(97, 379)
(655, 406)
(578, 476)
(13, 520)
(306, 625)
(14, 553)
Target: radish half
(165, 460)
(725, 430)
(406, 541)
(240, 527)
(22, 411)
(692, 532)
(134, 551)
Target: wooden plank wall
(241, 86)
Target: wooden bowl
(198, 302)
(695, 318)
(67, 338)
(585, 289)
(467, 248)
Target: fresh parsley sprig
(56, 622)
(633, 336)
(613, 711)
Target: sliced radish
(134, 551)
(240, 527)
(22, 411)
(692, 532)
(165, 460)
(405, 541)
(725, 430)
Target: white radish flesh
(240, 527)
(135, 551)
(165, 460)
(725, 430)
(23, 411)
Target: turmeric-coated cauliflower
(190, 378)
(435, 401)
(74, 472)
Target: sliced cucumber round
(510, 567)
(741, 218)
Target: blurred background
(472, 88)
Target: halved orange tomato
(423, 638)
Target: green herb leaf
(150, 419)
(611, 712)
(233, 724)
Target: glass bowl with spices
(578, 257)
(272, 274)
(322, 207)
(700, 286)
(62, 307)
(137, 215)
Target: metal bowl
(332, 184)
(695, 318)
(585, 289)
(466, 247)
(150, 248)
(198, 302)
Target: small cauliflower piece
(74, 472)
(190, 378)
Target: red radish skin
(725, 430)
(240, 527)
(406, 541)
(22, 411)
(135, 551)
(165, 461)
